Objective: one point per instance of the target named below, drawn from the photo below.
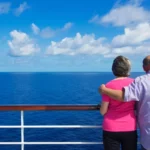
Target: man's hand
(101, 89)
(114, 94)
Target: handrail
(57, 107)
(48, 107)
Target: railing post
(22, 130)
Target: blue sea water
(52, 88)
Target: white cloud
(136, 37)
(79, 44)
(21, 44)
(89, 45)
(140, 50)
(133, 36)
(35, 28)
(49, 32)
(136, 2)
(123, 50)
(4, 7)
(123, 16)
(24, 6)
(67, 26)
(96, 19)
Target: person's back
(119, 123)
(120, 115)
(141, 86)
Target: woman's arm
(104, 107)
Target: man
(138, 90)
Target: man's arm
(114, 94)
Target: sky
(72, 35)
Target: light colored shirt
(120, 116)
(139, 90)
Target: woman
(119, 124)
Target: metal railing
(47, 108)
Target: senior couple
(126, 105)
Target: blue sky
(72, 35)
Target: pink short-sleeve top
(120, 116)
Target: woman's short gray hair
(121, 66)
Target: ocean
(52, 88)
